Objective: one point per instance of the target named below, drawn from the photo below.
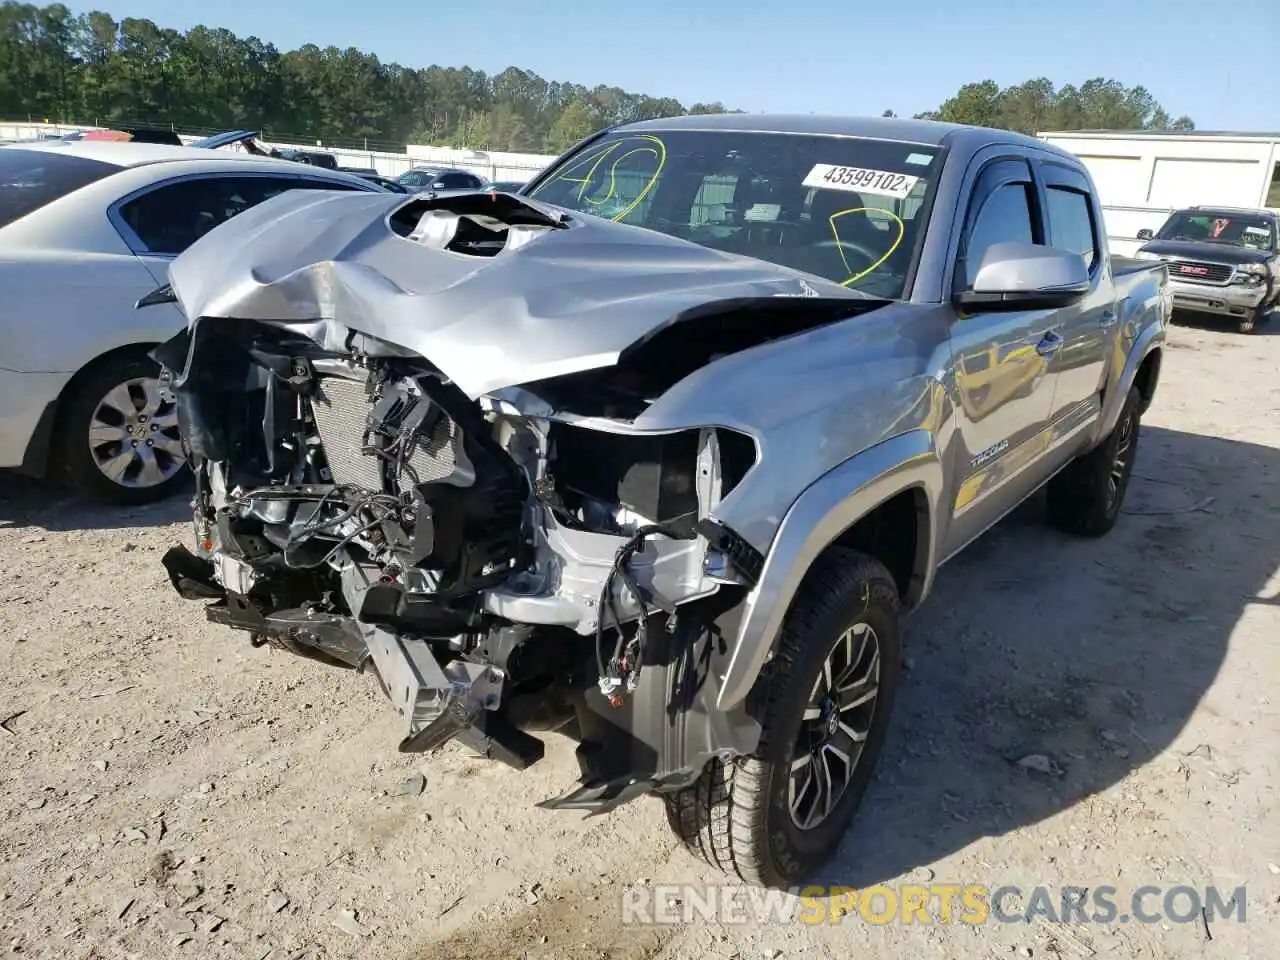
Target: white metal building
(1142, 176)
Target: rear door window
(171, 217)
(459, 181)
(29, 179)
(1071, 223)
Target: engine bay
(494, 570)
(433, 456)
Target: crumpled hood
(558, 300)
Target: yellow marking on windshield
(831, 221)
(595, 158)
(660, 154)
(613, 176)
(591, 174)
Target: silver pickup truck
(659, 452)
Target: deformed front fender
(828, 507)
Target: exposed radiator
(439, 457)
(341, 409)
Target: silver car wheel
(835, 725)
(133, 435)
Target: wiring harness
(619, 674)
(362, 507)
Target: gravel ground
(169, 791)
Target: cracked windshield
(845, 209)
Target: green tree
(499, 128)
(576, 121)
(974, 103)
(95, 68)
(1036, 106)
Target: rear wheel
(119, 440)
(775, 816)
(1086, 497)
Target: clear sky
(1217, 62)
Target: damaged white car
(655, 454)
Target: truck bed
(1120, 266)
(1141, 287)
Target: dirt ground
(169, 791)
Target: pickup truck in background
(659, 452)
(1223, 261)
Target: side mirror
(1025, 276)
(163, 294)
(1145, 234)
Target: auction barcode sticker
(829, 176)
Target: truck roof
(933, 133)
(924, 132)
(1164, 134)
(1262, 212)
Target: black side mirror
(157, 296)
(1145, 234)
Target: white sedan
(86, 229)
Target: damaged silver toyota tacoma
(657, 453)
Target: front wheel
(779, 814)
(119, 439)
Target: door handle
(1108, 318)
(1049, 343)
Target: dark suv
(435, 178)
(1222, 260)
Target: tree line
(1037, 106)
(92, 68)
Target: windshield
(1235, 229)
(31, 178)
(417, 178)
(845, 209)
(220, 140)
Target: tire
(112, 411)
(1086, 497)
(738, 815)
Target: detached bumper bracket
(437, 703)
(190, 575)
